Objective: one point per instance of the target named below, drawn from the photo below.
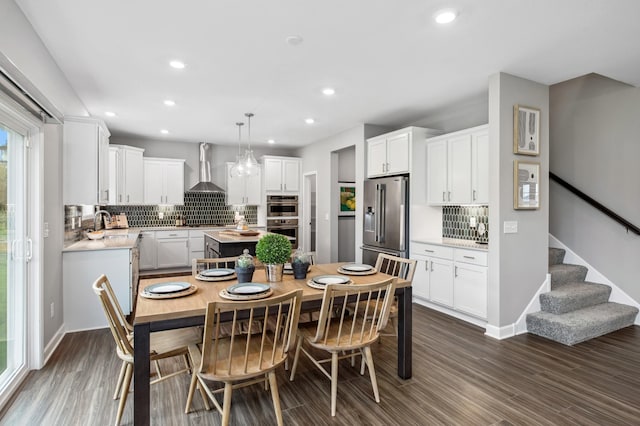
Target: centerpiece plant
(274, 250)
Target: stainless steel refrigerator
(386, 218)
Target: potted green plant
(245, 267)
(300, 264)
(273, 250)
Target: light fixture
(177, 64)
(169, 102)
(294, 40)
(328, 91)
(110, 114)
(271, 141)
(237, 169)
(445, 16)
(164, 131)
(251, 166)
(309, 120)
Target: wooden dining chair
(163, 344)
(199, 265)
(353, 329)
(242, 360)
(398, 267)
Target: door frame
(306, 210)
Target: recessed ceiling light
(169, 102)
(294, 40)
(110, 114)
(445, 16)
(309, 120)
(177, 64)
(328, 91)
(164, 131)
(271, 141)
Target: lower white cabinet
(452, 277)
(148, 250)
(172, 249)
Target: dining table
(153, 315)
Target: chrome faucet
(95, 218)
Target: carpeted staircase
(576, 310)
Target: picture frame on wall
(526, 130)
(347, 191)
(526, 185)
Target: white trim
(53, 344)
(593, 275)
(305, 234)
(500, 333)
(520, 326)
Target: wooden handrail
(622, 221)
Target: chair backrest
(272, 324)
(396, 266)
(345, 324)
(117, 322)
(199, 265)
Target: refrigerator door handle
(402, 214)
(382, 213)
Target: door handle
(474, 195)
(469, 257)
(29, 249)
(443, 195)
(455, 271)
(432, 266)
(127, 198)
(449, 196)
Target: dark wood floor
(460, 377)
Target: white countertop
(114, 239)
(453, 242)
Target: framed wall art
(526, 130)
(347, 198)
(526, 185)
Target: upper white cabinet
(390, 154)
(126, 175)
(457, 167)
(85, 161)
(281, 174)
(243, 189)
(163, 181)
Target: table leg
(405, 329)
(141, 372)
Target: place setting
(321, 281)
(357, 269)
(246, 291)
(169, 290)
(216, 274)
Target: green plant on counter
(300, 256)
(273, 249)
(245, 260)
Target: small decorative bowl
(95, 235)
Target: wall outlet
(45, 230)
(511, 227)
(53, 309)
(160, 215)
(472, 222)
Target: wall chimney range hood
(205, 184)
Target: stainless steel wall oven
(284, 226)
(282, 205)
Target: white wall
(517, 262)
(594, 146)
(347, 224)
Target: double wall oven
(282, 216)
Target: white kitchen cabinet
(148, 250)
(126, 176)
(172, 249)
(243, 189)
(281, 175)
(85, 171)
(470, 282)
(390, 153)
(457, 167)
(163, 181)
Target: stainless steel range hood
(205, 184)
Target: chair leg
(226, 407)
(372, 372)
(192, 389)
(334, 382)
(295, 358)
(124, 392)
(363, 362)
(274, 395)
(205, 397)
(116, 394)
(157, 364)
(394, 323)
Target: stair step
(556, 255)
(584, 324)
(564, 273)
(573, 296)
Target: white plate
(248, 288)
(217, 272)
(164, 288)
(330, 279)
(357, 267)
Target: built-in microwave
(282, 205)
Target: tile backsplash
(455, 222)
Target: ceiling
(388, 61)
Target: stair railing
(622, 221)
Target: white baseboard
(51, 346)
(500, 333)
(593, 275)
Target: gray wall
(219, 155)
(347, 224)
(595, 147)
(517, 262)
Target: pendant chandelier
(245, 165)
(237, 169)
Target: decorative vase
(245, 274)
(300, 270)
(274, 271)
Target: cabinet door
(174, 182)
(133, 177)
(441, 281)
(153, 182)
(103, 165)
(459, 170)
(421, 278)
(173, 252)
(437, 172)
(376, 157)
(398, 154)
(470, 289)
(235, 187)
(115, 196)
(480, 167)
(148, 250)
(252, 190)
(291, 175)
(272, 175)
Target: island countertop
(228, 236)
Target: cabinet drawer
(172, 234)
(431, 250)
(474, 257)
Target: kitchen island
(230, 242)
